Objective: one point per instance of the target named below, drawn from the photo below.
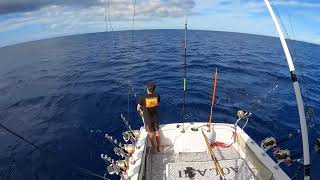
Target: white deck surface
(178, 150)
(157, 162)
(235, 169)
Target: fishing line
(7, 173)
(128, 110)
(309, 110)
(296, 173)
(281, 21)
(130, 90)
(105, 18)
(257, 102)
(133, 21)
(51, 153)
(110, 23)
(109, 16)
(293, 37)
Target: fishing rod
(126, 123)
(317, 149)
(118, 147)
(52, 153)
(271, 142)
(131, 135)
(297, 91)
(128, 107)
(213, 97)
(115, 167)
(213, 158)
(185, 76)
(317, 145)
(285, 156)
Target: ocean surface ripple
(64, 93)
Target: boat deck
(184, 155)
(168, 165)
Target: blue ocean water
(63, 94)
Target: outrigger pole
(213, 96)
(296, 86)
(185, 74)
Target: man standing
(148, 108)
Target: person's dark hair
(151, 87)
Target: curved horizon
(88, 33)
(29, 20)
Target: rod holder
(123, 164)
(130, 148)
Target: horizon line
(150, 29)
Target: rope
(224, 145)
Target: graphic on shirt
(151, 102)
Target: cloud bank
(50, 18)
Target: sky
(28, 20)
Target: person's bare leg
(151, 138)
(158, 140)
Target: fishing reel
(125, 151)
(126, 136)
(130, 148)
(282, 155)
(123, 165)
(113, 169)
(268, 143)
(317, 146)
(131, 135)
(119, 167)
(243, 115)
(120, 152)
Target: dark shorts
(151, 123)
(152, 126)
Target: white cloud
(53, 26)
(120, 10)
(300, 4)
